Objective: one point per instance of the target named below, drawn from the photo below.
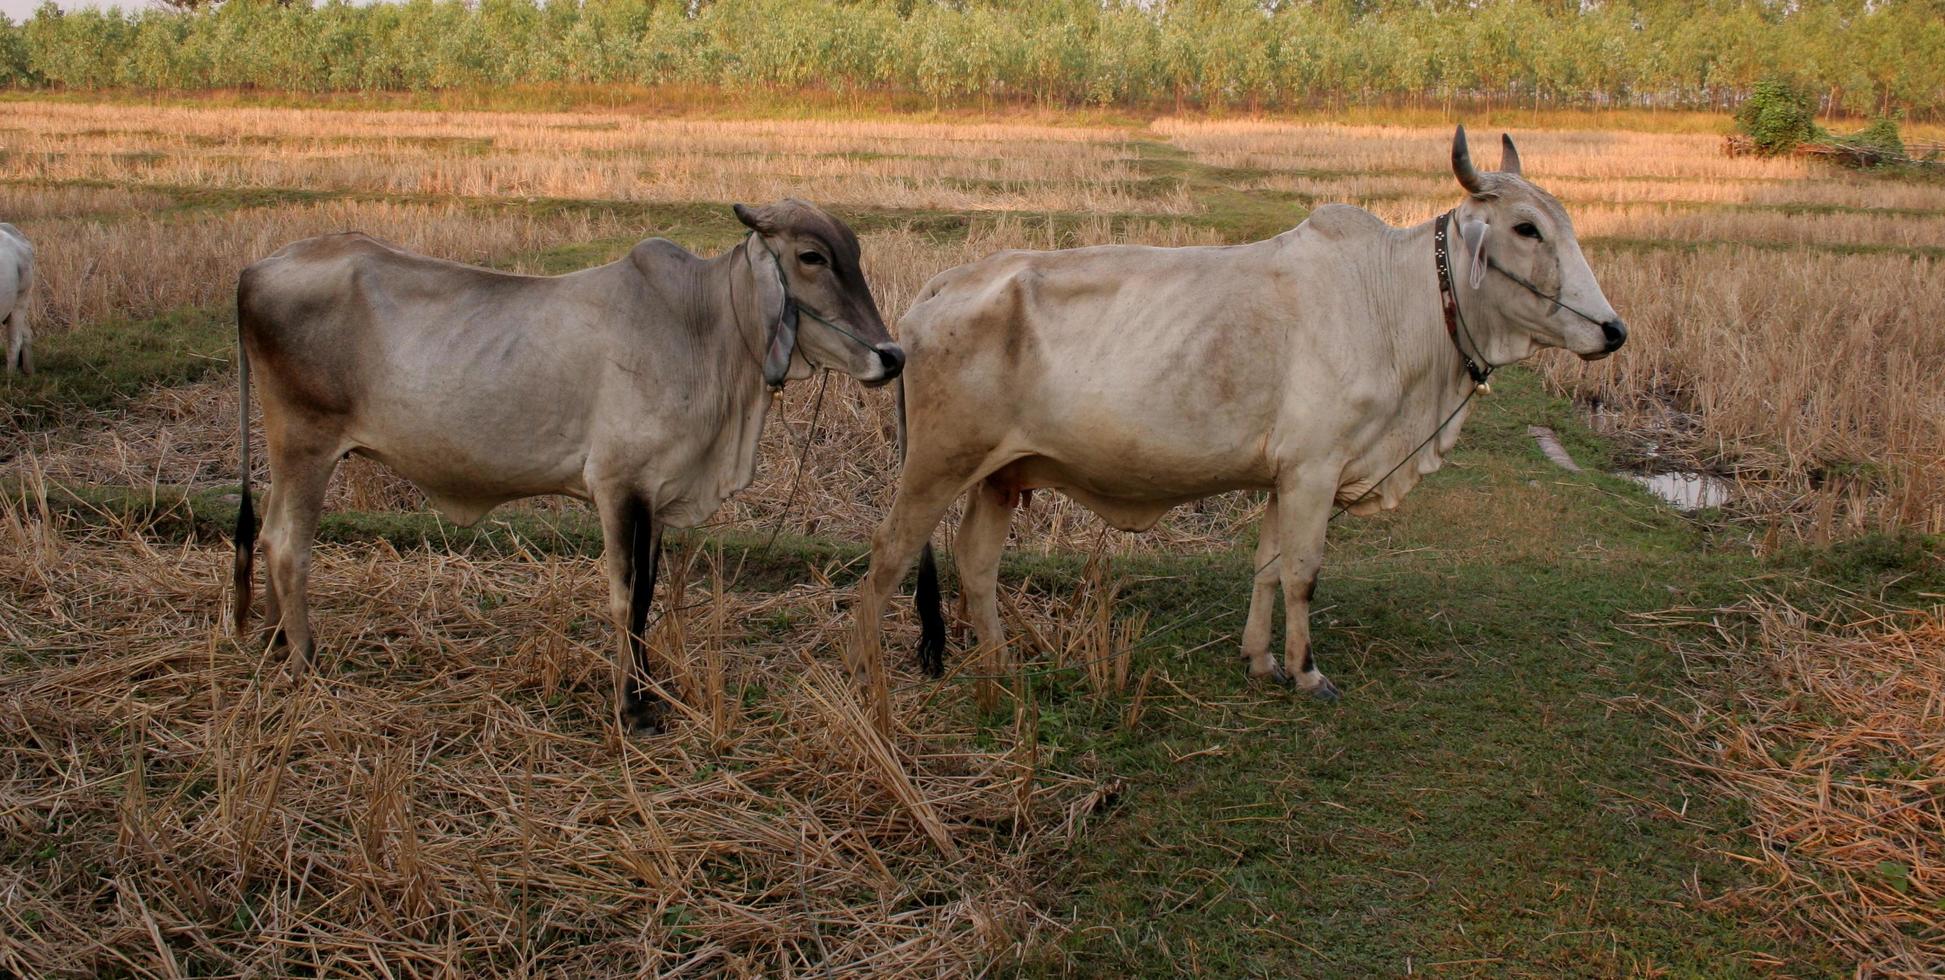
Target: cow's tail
(926, 601)
(246, 515)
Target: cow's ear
(783, 343)
(1475, 233)
(757, 220)
(779, 313)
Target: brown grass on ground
(1653, 222)
(613, 157)
(444, 788)
(1671, 222)
(1436, 185)
(110, 268)
(1815, 379)
(1836, 742)
(1570, 153)
(26, 202)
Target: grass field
(1579, 734)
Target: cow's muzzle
(892, 360)
(1614, 333)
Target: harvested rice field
(1582, 732)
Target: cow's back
(1097, 356)
(329, 318)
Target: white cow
(639, 386)
(17, 298)
(1133, 379)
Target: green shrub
(1778, 117)
(1877, 143)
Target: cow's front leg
(1303, 514)
(1262, 599)
(631, 543)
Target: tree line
(1873, 57)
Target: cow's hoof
(1325, 691)
(1275, 675)
(645, 717)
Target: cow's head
(818, 310)
(1521, 281)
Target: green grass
(102, 365)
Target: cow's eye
(1525, 229)
(810, 258)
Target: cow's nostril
(893, 359)
(1616, 334)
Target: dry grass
(94, 268)
(1438, 190)
(19, 203)
(1687, 223)
(1664, 222)
(613, 157)
(1836, 742)
(1813, 378)
(1554, 154)
(444, 794)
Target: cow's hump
(1342, 221)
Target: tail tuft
(931, 644)
(246, 551)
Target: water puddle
(1685, 491)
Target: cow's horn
(1462, 164)
(1509, 155)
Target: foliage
(1778, 117)
(1875, 144)
(1206, 53)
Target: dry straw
(443, 794)
(1835, 739)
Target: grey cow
(639, 386)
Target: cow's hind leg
(981, 538)
(20, 343)
(1263, 598)
(299, 476)
(632, 546)
(1303, 514)
(272, 608)
(924, 494)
